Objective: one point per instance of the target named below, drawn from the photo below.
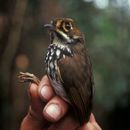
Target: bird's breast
(54, 54)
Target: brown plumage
(77, 81)
(68, 67)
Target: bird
(68, 67)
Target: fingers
(45, 103)
(39, 95)
(45, 89)
(55, 109)
(36, 105)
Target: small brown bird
(68, 67)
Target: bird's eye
(68, 26)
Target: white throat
(56, 41)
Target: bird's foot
(28, 77)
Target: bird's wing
(76, 75)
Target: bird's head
(64, 30)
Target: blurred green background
(23, 43)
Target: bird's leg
(28, 77)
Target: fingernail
(54, 111)
(45, 93)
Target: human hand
(47, 111)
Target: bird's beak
(49, 27)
